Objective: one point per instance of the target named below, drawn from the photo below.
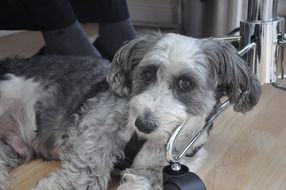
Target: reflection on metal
(247, 48)
(229, 38)
(263, 27)
(264, 10)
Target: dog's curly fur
(156, 82)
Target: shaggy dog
(55, 107)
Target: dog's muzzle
(145, 126)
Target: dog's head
(170, 78)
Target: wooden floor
(246, 152)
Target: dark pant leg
(54, 14)
(100, 11)
(15, 16)
(35, 14)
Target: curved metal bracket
(170, 156)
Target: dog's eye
(148, 75)
(185, 84)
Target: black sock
(70, 40)
(112, 36)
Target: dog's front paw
(135, 182)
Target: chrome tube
(171, 142)
(262, 10)
(247, 48)
(253, 10)
(229, 38)
(269, 10)
(170, 156)
(263, 27)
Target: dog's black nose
(145, 126)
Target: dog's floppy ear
(232, 75)
(126, 58)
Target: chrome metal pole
(264, 10)
(229, 38)
(269, 10)
(263, 26)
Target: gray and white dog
(156, 82)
